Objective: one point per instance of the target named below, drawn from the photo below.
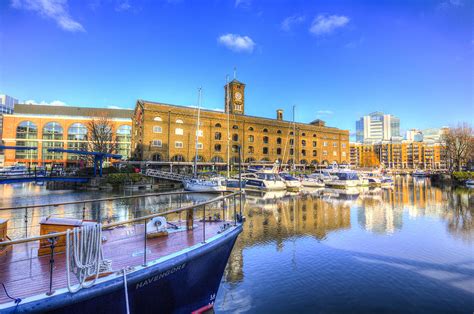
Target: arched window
(217, 159)
(218, 125)
(279, 140)
(279, 132)
(265, 130)
(179, 121)
(52, 138)
(250, 150)
(291, 133)
(303, 134)
(235, 137)
(303, 152)
(199, 158)
(235, 148)
(292, 141)
(250, 160)
(314, 134)
(178, 158)
(26, 131)
(265, 150)
(76, 139)
(124, 139)
(303, 162)
(251, 138)
(315, 143)
(218, 136)
(157, 119)
(265, 139)
(292, 151)
(250, 128)
(303, 143)
(217, 147)
(278, 151)
(156, 157)
(234, 160)
(235, 127)
(315, 153)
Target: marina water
(407, 249)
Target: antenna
(235, 73)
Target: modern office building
(167, 133)
(398, 155)
(377, 126)
(7, 103)
(59, 127)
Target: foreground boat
(176, 268)
(203, 185)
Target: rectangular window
(325, 144)
(325, 153)
(343, 154)
(178, 144)
(238, 107)
(199, 145)
(157, 129)
(199, 132)
(343, 145)
(156, 143)
(334, 153)
(334, 144)
(314, 143)
(178, 131)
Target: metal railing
(224, 200)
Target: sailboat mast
(294, 140)
(197, 131)
(228, 125)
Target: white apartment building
(376, 127)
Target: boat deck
(24, 273)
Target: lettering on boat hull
(162, 275)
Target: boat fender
(157, 224)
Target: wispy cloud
(324, 113)
(56, 10)
(325, 24)
(447, 4)
(242, 3)
(290, 21)
(237, 42)
(53, 103)
(123, 6)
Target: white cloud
(325, 24)
(242, 3)
(444, 5)
(324, 113)
(290, 21)
(56, 10)
(237, 43)
(123, 6)
(53, 103)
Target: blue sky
(334, 60)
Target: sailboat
(200, 184)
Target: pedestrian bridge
(154, 173)
(24, 179)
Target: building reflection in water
(274, 218)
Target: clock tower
(234, 97)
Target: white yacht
(264, 180)
(323, 175)
(14, 171)
(292, 183)
(212, 184)
(345, 179)
(311, 182)
(418, 173)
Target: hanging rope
(126, 290)
(84, 255)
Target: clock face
(238, 96)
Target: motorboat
(311, 182)
(212, 184)
(264, 181)
(386, 182)
(14, 171)
(419, 173)
(470, 183)
(345, 179)
(292, 183)
(323, 175)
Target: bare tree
(101, 136)
(459, 145)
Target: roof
(72, 111)
(237, 81)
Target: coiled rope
(84, 255)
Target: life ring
(157, 224)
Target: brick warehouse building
(166, 133)
(59, 127)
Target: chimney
(280, 114)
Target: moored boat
(201, 185)
(292, 183)
(176, 265)
(345, 179)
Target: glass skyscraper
(376, 127)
